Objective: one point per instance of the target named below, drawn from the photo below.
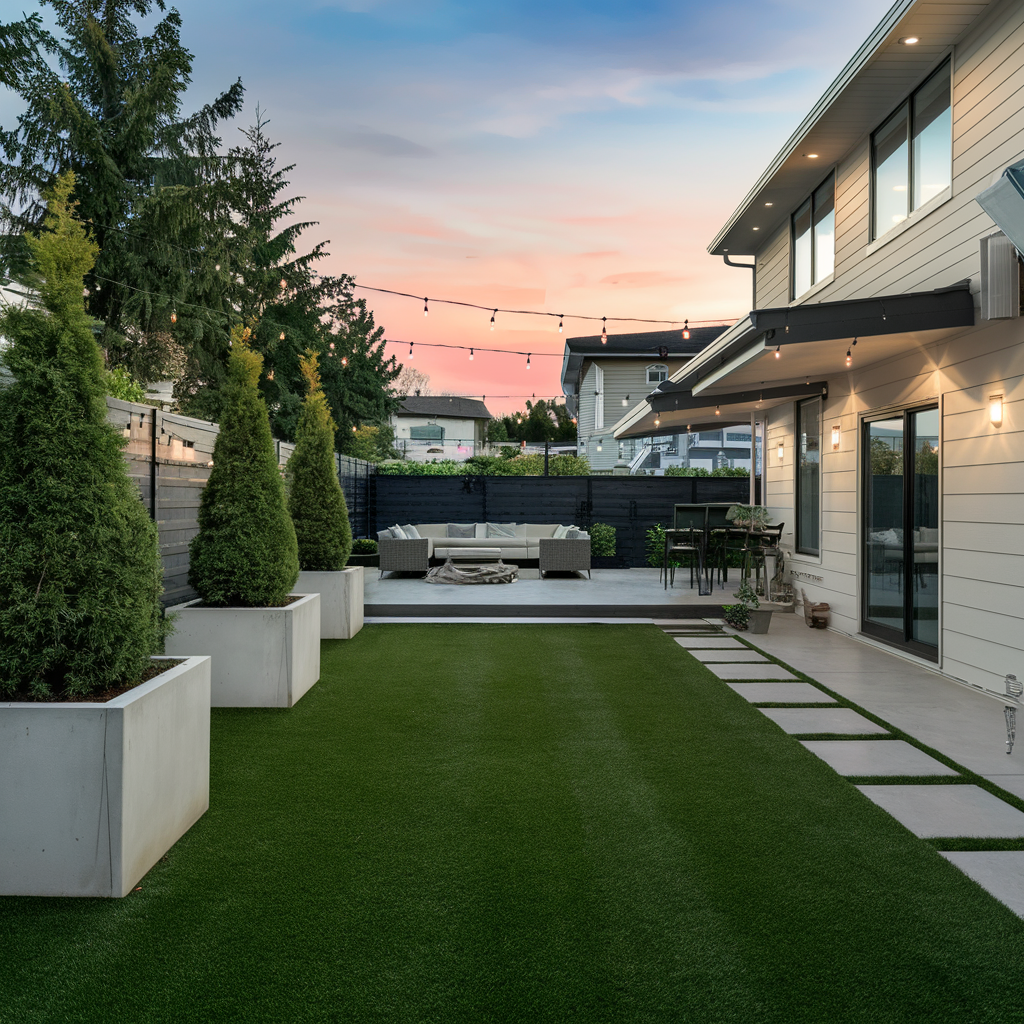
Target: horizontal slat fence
(170, 457)
(632, 504)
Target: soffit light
(908, 40)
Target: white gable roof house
(883, 360)
(431, 427)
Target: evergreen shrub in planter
(318, 510)
(264, 640)
(602, 547)
(94, 790)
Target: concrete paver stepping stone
(999, 872)
(738, 654)
(710, 642)
(765, 671)
(930, 811)
(807, 720)
(782, 693)
(872, 757)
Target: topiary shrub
(315, 499)
(80, 574)
(364, 546)
(602, 540)
(245, 554)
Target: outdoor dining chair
(685, 541)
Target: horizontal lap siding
(772, 273)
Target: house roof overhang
(865, 92)
(773, 356)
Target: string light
(560, 319)
(778, 351)
(174, 317)
(344, 360)
(471, 355)
(849, 357)
(410, 350)
(284, 284)
(216, 266)
(425, 310)
(718, 410)
(604, 330)
(686, 330)
(527, 360)
(657, 422)
(493, 315)
(332, 346)
(282, 336)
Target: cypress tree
(315, 498)
(245, 553)
(80, 573)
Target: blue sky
(564, 156)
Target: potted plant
(104, 748)
(750, 517)
(244, 562)
(747, 613)
(364, 552)
(602, 547)
(320, 516)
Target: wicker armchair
(403, 555)
(564, 555)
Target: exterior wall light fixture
(837, 437)
(781, 450)
(995, 410)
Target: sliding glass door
(901, 530)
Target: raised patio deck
(611, 593)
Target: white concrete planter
(341, 600)
(262, 657)
(93, 795)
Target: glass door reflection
(901, 530)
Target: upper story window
(911, 154)
(657, 373)
(814, 237)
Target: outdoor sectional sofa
(554, 547)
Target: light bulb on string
(410, 350)
(604, 330)
(778, 351)
(686, 330)
(718, 410)
(560, 319)
(425, 310)
(493, 315)
(527, 360)
(284, 284)
(216, 266)
(471, 355)
(174, 317)
(344, 360)
(849, 357)
(332, 346)
(281, 336)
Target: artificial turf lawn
(522, 823)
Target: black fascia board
(941, 309)
(682, 399)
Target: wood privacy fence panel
(632, 504)
(170, 458)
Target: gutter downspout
(753, 276)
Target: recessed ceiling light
(769, 204)
(909, 40)
(811, 156)
(757, 229)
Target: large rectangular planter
(93, 795)
(341, 600)
(262, 657)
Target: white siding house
(893, 410)
(432, 427)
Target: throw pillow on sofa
(411, 533)
(398, 533)
(501, 530)
(461, 530)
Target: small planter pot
(760, 619)
(94, 795)
(262, 657)
(341, 600)
(368, 561)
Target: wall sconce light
(625, 402)
(995, 410)
(781, 451)
(599, 447)
(837, 437)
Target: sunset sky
(568, 157)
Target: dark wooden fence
(632, 504)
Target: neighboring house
(429, 427)
(601, 381)
(885, 354)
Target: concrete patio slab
(710, 642)
(999, 873)
(875, 757)
(738, 654)
(810, 720)
(930, 811)
(766, 671)
(782, 693)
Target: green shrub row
(491, 465)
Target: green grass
(522, 823)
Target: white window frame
(660, 368)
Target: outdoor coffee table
(492, 572)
